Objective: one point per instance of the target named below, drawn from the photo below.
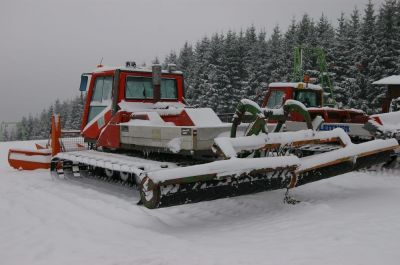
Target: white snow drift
(350, 219)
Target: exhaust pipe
(156, 70)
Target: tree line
(38, 126)
(223, 68)
(360, 48)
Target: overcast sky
(46, 44)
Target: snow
(231, 146)
(43, 158)
(235, 166)
(296, 85)
(390, 121)
(295, 102)
(250, 102)
(349, 219)
(175, 145)
(154, 118)
(204, 117)
(275, 112)
(112, 161)
(351, 151)
(42, 151)
(390, 80)
(133, 69)
(163, 108)
(336, 109)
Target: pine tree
(276, 60)
(24, 130)
(76, 113)
(217, 93)
(3, 132)
(289, 43)
(352, 43)
(341, 61)
(185, 63)
(367, 60)
(155, 60)
(250, 57)
(185, 59)
(398, 32)
(171, 58)
(6, 136)
(199, 86)
(325, 36)
(233, 61)
(387, 39)
(351, 75)
(307, 39)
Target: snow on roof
(296, 85)
(133, 69)
(335, 109)
(162, 108)
(203, 117)
(390, 80)
(390, 121)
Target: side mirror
(84, 83)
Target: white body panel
(190, 137)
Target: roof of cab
(296, 85)
(131, 69)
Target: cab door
(98, 105)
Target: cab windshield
(142, 88)
(307, 97)
(276, 99)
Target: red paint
(26, 164)
(39, 147)
(111, 134)
(378, 120)
(93, 131)
(55, 134)
(179, 120)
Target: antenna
(100, 64)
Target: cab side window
(101, 97)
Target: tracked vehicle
(141, 133)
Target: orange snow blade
(24, 159)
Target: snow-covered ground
(350, 219)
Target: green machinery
(298, 72)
